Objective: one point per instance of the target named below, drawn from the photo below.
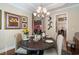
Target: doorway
(61, 24)
(62, 27)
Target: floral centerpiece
(26, 32)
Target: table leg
(28, 52)
(32, 52)
(41, 52)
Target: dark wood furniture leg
(32, 52)
(41, 52)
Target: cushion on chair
(38, 37)
(43, 34)
(21, 51)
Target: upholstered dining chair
(43, 35)
(60, 40)
(19, 49)
(38, 37)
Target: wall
(7, 37)
(73, 20)
(51, 31)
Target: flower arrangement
(26, 31)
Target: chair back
(38, 37)
(43, 34)
(18, 40)
(60, 39)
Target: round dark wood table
(37, 47)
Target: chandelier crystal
(41, 12)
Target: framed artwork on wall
(24, 21)
(12, 21)
(24, 25)
(0, 18)
(49, 22)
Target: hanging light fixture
(41, 12)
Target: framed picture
(24, 19)
(12, 21)
(0, 18)
(24, 25)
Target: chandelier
(41, 12)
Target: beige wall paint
(51, 31)
(7, 37)
(73, 20)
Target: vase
(36, 38)
(25, 37)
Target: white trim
(60, 13)
(67, 25)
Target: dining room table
(38, 47)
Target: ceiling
(31, 7)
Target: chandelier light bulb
(42, 15)
(39, 8)
(38, 15)
(38, 11)
(48, 13)
(34, 14)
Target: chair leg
(15, 53)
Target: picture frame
(24, 21)
(24, 25)
(12, 21)
(0, 19)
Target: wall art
(12, 21)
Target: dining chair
(60, 40)
(43, 35)
(38, 37)
(19, 49)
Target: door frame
(66, 15)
